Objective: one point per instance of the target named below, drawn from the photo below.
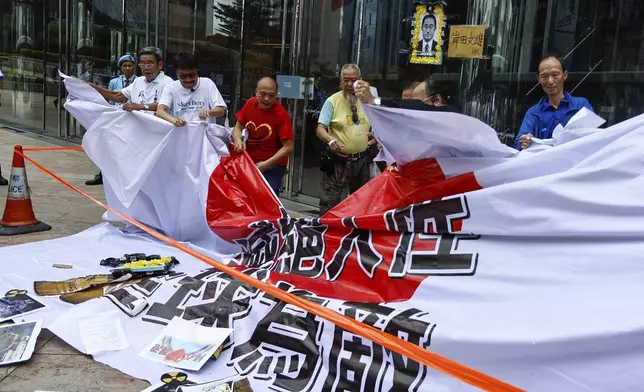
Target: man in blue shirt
(126, 65)
(557, 107)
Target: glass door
(325, 43)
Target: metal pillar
(295, 42)
(360, 10)
(194, 26)
(61, 134)
(242, 49)
(284, 21)
(156, 22)
(44, 64)
(147, 22)
(307, 72)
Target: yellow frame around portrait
(439, 13)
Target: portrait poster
(427, 34)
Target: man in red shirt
(270, 135)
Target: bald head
(267, 83)
(266, 92)
(420, 91)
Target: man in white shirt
(190, 97)
(144, 93)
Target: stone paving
(56, 366)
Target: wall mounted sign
(466, 41)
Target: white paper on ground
(102, 332)
(185, 345)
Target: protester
(270, 134)
(191, 96)
(143, 94)
(126, 65)
(343, 127)
(408, 90)
(557, 107)
(429, 95)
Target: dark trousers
(274, 177)
(341, 180)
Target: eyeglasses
(431, 99)
(184, 76)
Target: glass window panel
(21, 62)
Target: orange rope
(394, 343)
(75, 148)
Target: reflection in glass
(21, 63)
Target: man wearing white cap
(126, 65)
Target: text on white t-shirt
(185, 103)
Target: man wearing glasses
(557, 107)
(143, 94)
(343, 127)
(190, 97)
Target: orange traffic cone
(19, 217)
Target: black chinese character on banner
(361, 241)
(358, 364)
(284, 348)
(427, 245)
(217, 299)
(302, 252)
(261, 246)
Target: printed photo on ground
(17, 341)
(17, 303)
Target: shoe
(3, 181)
(98, 180)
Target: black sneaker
(98, 180)
(3, 181)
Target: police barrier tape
(73, 148)
(400, 346)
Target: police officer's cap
(125, 58)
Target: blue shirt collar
(544, 104)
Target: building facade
(239, 41)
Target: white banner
(524, 266)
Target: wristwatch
(376, 101)
(146, 106)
